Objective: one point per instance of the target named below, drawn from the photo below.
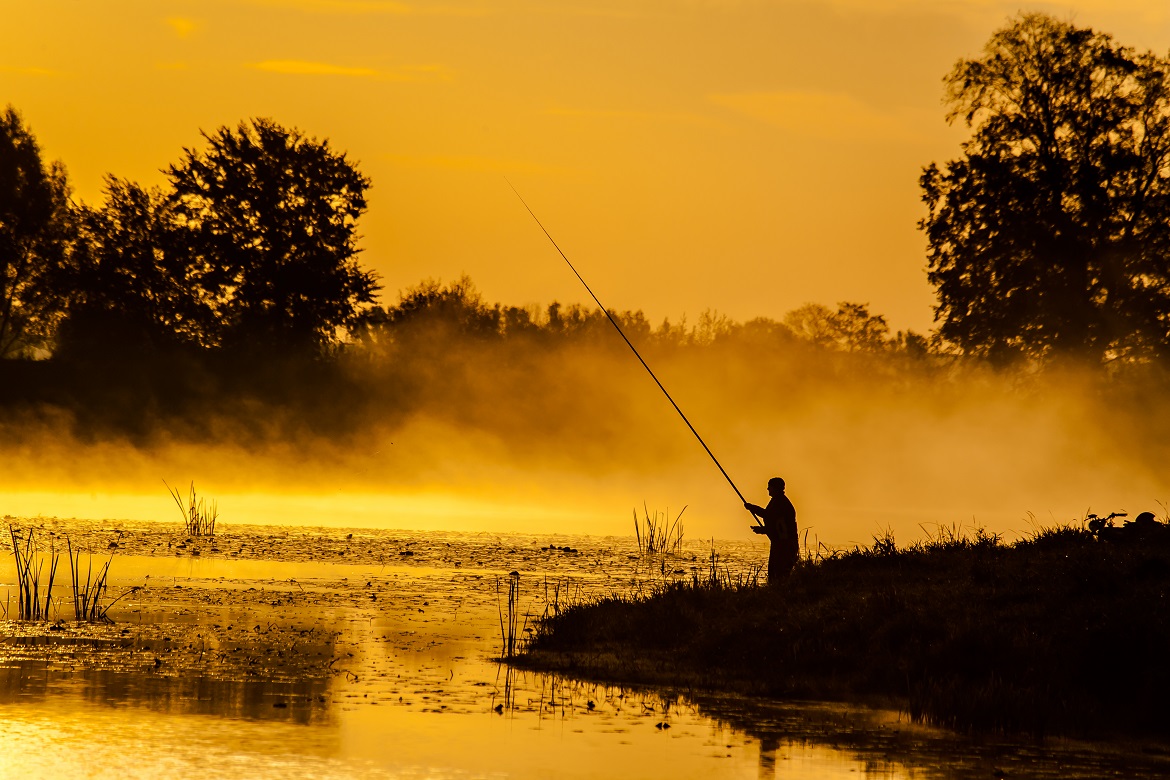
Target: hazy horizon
(503, 437)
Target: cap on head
(776, 482)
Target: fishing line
(630, 344)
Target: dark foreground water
(294, 653)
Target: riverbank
(1063, 633)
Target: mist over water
(457, 432)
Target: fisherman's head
(775, 486)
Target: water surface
(279, 653)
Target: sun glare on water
(423, 511)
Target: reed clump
(34, 594)
(36, 572)
(1063, 632)
(199, 516)
(657, 533)
(88, 596)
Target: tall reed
(87, 597)
(510, 628)
(658, 533)
(559, 595)
(30, 563)
(198, 516)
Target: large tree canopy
(133, 287)
(1050, 236)
(35, 230)
(270, 215)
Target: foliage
(270, 217)
(454, 309)
(133, 288)
(35, 231)
(433, 310)
(851, 328)
(1050, 236)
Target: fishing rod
(630, 344)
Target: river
(293, 653)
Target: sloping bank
(1060, 634)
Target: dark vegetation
(234, 297)
(36, 570)
(1050, 235)
(1062, 633)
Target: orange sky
(743, 155)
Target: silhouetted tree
(271, 216)
(765, 332)
(35, 230)
(851, 328)
(590, 323)
(453, 309)
(134, 289)
(1050, 236)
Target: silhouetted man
(779, 518)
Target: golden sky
(743, 155)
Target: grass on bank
(1063, 632)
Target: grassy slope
(1060, 634)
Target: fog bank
(516, 435)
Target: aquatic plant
(658, 533)
(30, 564)
(560, 594)
(716, 577)
(87, 597)
(511, 629)
(198, 517)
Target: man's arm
(759, 512)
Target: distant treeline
(433, 310)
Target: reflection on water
(295, 668)
(302, 702)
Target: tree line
(432, 310)
(251, 251)
(1048, 238)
